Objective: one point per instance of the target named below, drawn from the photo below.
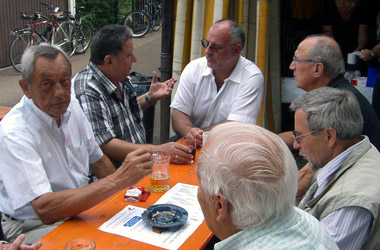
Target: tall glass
(190, 143)
(81, 244)
(159, 179)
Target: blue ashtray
(165, 216)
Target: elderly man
(47, 146)
(109, 100)
(222, 86)
(247, 185)
(344, 194)
(318, 62)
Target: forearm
(142, 99)
(55, 206)
(181, 122)
(103, 167)
(376, 50)
(362, 37)
(52, 207)
(117, 149)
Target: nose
(292, 65)
(59, 91)
(296, 145)
(134, 58)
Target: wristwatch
(147, 99)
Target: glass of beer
(190, 143)
(159, 180)
(81, 244)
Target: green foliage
(105, 12)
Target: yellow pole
(262, 47)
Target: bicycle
(140, 21)
(82, 34)
(29, 35)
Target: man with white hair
(247, 185)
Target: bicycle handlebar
(35, 16)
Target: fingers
(155, 77)
(37, 245)
(18, 241)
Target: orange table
(3, 111)
(85, 225)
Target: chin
(313, 167)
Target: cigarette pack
(133, 194)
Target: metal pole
(166, 64)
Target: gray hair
(327, 51)
(31, 54)
(253, 169)
(331, 108)
(109, 40)
(237, 33)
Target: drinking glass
(81, 244)
(159, 179)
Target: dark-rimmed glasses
(297, 137)
(295, 59)
(213, 47)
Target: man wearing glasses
(344, 193)
(222, 86)
(318, 62)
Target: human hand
(16, 245)
(365, 55)
(196, 133)
(159, 90)
(304, 176)
(137, 164)
(179, 154)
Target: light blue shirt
(349, 226)
(299, 230)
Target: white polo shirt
(239, 99)
(37, 157)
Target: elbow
(47, 219)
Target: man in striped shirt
(344, 193)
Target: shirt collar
(102, 79)
(235, 75)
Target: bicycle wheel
(156, 22)
(18, 45)
(83, 36)
(64, 37)
(138, 22)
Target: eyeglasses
(297, 137)
(213, 47)
(295, 59)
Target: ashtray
(165, 216)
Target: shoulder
(246, 65)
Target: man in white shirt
(47, 148)
(222, 86)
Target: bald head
(326, 50)
(318, 60)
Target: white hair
(253, 169)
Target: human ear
(221, 208)
(108, 59)
(331, 136)
(25, 88)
